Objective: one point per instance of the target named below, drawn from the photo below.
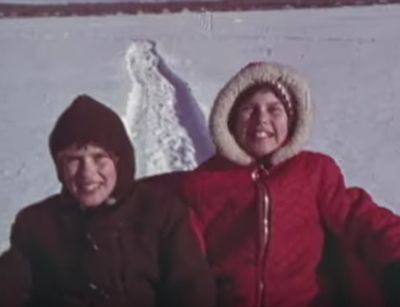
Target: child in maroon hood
(277, 223)
(105, 240)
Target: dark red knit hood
(89, 121)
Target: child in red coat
(278, 224)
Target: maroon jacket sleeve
(189, 280)
(15, 274)
(359, 223)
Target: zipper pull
(259, 173)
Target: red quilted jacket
(323, 244)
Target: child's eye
(275, 110)
(246, 108)
(101, 158)
(71, 162)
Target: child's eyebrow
(101, 154)
(276, 104)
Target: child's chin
(91, 202)
(261, 151)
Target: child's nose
(263, 116)
(88, 169)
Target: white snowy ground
(162, 72)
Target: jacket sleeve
(189, 280)
(15, 274)
(373, 232)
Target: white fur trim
(258, 73)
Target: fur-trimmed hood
(254, 73)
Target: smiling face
(261, 124)
(89, 173)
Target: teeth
(262, 134)
(90, 187)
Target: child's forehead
(85, 149)
(263, 97)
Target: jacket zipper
(263, 202)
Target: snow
(162, 72)
(161, 103)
